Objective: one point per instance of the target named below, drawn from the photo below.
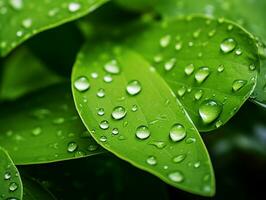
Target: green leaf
(21, 20)
(137, 127)
(241, 11)
(136, 5)
(35, 191)
(32, 75)
(211, 65)
(44, 127)
(10, 182)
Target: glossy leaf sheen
(10, 182)
(40, 128)
(157, 109)
(199, 64)
(22, 19)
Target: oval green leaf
(10, 182)
(211, 65)
(22, 19)
(131, 111)
(45, 127)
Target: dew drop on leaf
(104, 124)
(112, 67)
(119, 112)
(74, 6)
(108, 78)
(202, 74)
(209, 111)
(26, 23)
(238, 84)
(181, 91)
(103, 139)
(143, 132)
(165, 40)
(16, 4)
(220, 68)
(179, 158)
(198, 94)
(178, 46)
(134, 108)
(115, 131)
(100, 112)
(151, 160)
(7, 176)
(133, 87)
(189, 69)
(71, 147)
(176, 176)
(82, 84)
(177, 132)
(101, 93)
(228, 45)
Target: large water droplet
(238, 84)
(189, 69)
(176, 176)
(72, 146)
(82, 84)
(177, 132)
(112, 67)
(209, 111)
(201, 74)
(143, 132)
(228, 45)
(104, 124)
(133, 87)
(170, 64)
(119, 112)
(151, 160)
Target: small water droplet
(101, 93)
(100, 112)
(115, 131)
(59, 120)
(165, 40)
(252, 67)
(176, 176)
(158, 58)
(198, 94)
(181, 91)
(151, 160)
(13, 187)
(134, 108)
(104, 124)
(37, 131)
(7, 176)
(218, 124)
(197, 164)
(82, 84)
(238, 84)
(190, 44)
(112, 67)
(158, 144)
(94, 75)
(179, 158)
(202, 74)
(170, 64)
(103, 139)
(93, 147)
(178, 46)
(74, 6)
(189, 69)
(119, 112)
(190, 140)
(220, 68)
(143, 132)
(107, 78)
(26, 23)
(230, 27)
(16, 4)
(19, 33)
(177, 132)
(71, 147)
(133, 87)
(209, 111)
(228, 45)
(212, 33)
(196, 33)
(238, 52)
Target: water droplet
(158, 58)
(197, 164)
(190, 44)
(158, 144)
(104, 124)
(176, 176)
(196, 33)
(19, 33)
(181, 91)
(74, 6)
(220, 68)
(170, 64)
(190, 140)
(202, 74)
(133, 87)
(134, 108)
(218, 124)
(189, 69)
(37, 131)
(252, 67)
(119, 112)
(101, 93)
(238, 84)
(179, 158)
(93, 147)
(178, 46)
(238, 52)
(209, 111)
(115, 131)
(212, 33)
(165, 40)
(230, 27)
(100, 112)
(59, 120)
(7, 176)
(16, 4)
(143, 132)
(107, 78)
(228, 45)
(26, 23)
(13, 186)
(103, 139)
(177, 132)
(198, 94)
(151, 160)
(112, 67)
(94, 75)
(82, 84)
(71, 147)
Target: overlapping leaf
(44, 127)
(211, 65)
(10, 182)
(21, 19)
(130, 111)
